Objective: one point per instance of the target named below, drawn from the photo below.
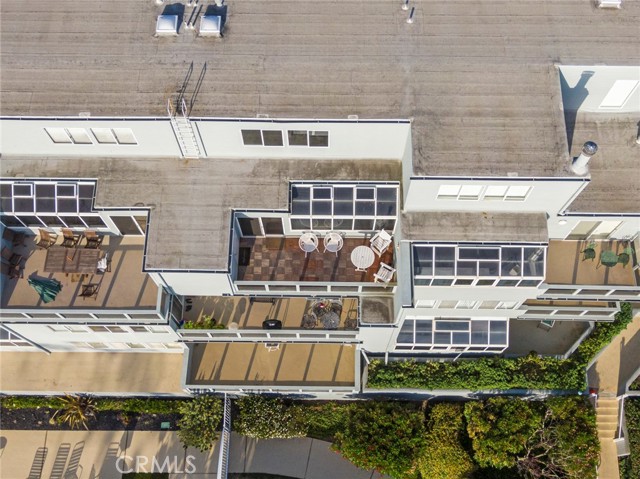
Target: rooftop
(474, 226)
(477, 78)
(125, 287)
(195, 197)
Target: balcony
(280, 259)
(264, 365)
(125, 287)
(567, 263)
(249, 313)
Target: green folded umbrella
(46, 288)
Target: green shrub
(199, 423)
(444, 457)
(30, 402)
(75, 411)
(268, 418)
(140, 405)
(527, 372)
(630, 466)
(205, 322)
(385, 436)
(325, 420)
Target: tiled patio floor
(281, 259)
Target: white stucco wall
(545, 195)
(348, 140)
(28, 137)
(197, 284)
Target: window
(58, 135)
(79, 136)
(362, 207)
(318, 138)
(453, 334)
(103, 135)
(262, 137)
(469, 265)
(481, 192)
(272, 138)
(297, 137)
(125, 136)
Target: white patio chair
(380, 242)
(384, 274)
(308, 243)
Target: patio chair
(272, 346)
(11, 257)
(70, 239)
(589, 252)
(47, 239)
(309, 321)
(625, 256)
(380, 242)
(90, 291)
(93, 239)
(384, 274)
(12, 271)
(352, 319)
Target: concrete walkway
(610, 373)
(105, 454)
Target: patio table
(331, 320)
(362, 257)
(66, 260)
(609, 258)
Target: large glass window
(453, 334)
(362, 207)
(506, 265)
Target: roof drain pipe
(580, 164)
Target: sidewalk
(100, 455)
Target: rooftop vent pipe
(580, 164)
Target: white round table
(333, 242)
(308, 242)
(362, 257)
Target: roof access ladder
(183, 129)
(225, 437)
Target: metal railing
(225, 438)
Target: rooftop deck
(125, 287)
(566, 264)
(253, 364)
(281, 259)
(249, 313)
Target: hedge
(130, 405)
(528, 372)
(630, 465)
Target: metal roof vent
(580, 164)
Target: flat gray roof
(477, 78)
(474, 226)
(615, 168)
(191, 200)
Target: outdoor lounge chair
(384, 274)
(10, 257)
(547, 324)
(93, 239)
(70, 239)
(380, 242)
(90, 291)
(47, 239)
